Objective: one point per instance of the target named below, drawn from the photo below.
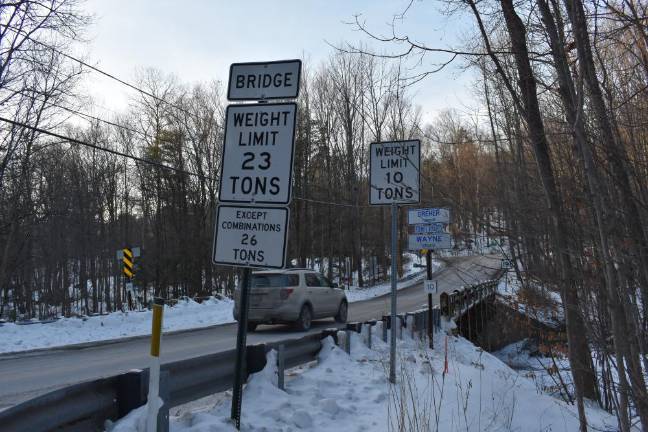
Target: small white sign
(507, 264)
(258, 154)
(394, 172)
(264, 80)
(430, 286)
(430, 228)
(429, 241)
(428, 216)
(251, 236)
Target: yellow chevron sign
(127, 261)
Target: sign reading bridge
(264, 80)
(394, 172)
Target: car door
(331, 299)
(316, 294)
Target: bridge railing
(457, 302)
(87, 406)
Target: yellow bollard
(154, 404)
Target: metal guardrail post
(347, 345)
(409, 322)
(369, 331)
(131, 390)
(281, 353)
(386, 325)
(342, 339)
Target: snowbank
(184, 315)
(352, 393)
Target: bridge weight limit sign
(394, 172)
(394, 179)
(255, 183)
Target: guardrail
(456, 303)
(87, 406)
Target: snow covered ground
(184, 315)
(352, 393)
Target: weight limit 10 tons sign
(394, 172)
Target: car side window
(311, 280)
(323, 281)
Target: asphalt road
(23, 376)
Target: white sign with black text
(429, 241)
(251, 236)
(264, 80)
(428, 216)
(394, 172)
(258, 154)
(430, 286)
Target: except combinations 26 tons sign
(251, 236)
(394, 172)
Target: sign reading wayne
(264, 80)
(251, 236)
(258, 154)
(394, 172)
(429, 241)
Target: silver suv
(292, 296)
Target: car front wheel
(305, 318)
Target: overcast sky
(197, 40)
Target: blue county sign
(428, 216)
(429, 241)
(394, 172)
(264, 80)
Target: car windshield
(274, 280)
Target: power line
(96, 147)
(84, 115)
(64, 138)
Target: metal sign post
(392, 321)
(241, 341)
(430, 329)
(394, 179)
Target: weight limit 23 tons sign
(258, 154)
(394, 172)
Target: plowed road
(23, 376)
